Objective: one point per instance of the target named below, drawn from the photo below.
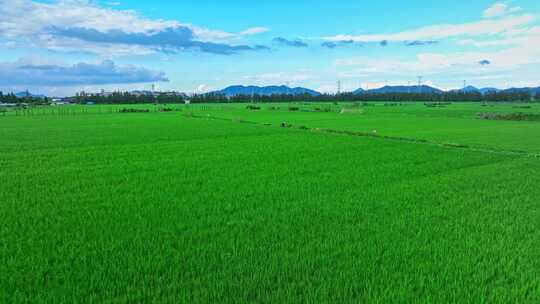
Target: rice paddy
(335, 203)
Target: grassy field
(218, 203)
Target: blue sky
(59, 47)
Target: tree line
(456, 96)
(128, 98)
(453, 96)
(13, 99)
(174, 98)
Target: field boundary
(447, 145)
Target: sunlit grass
(164, 207)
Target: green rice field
(287, 203)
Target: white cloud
(517, 64)
(203, 88)
(38, 24)
(30, 19)
(281, 77)
(500, 9)
(254, 31)
(37, 71)
(510, 59)
(525, 37)
(497, 9)
(327, 88)
(511, 45)
(482, 27)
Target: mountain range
(27, 94)
(469, 89)
(401, 89)
(265, 91)
(271, 90)
(484, 91)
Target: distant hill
(28, 94)
(489, 90)
(359, 91)
(428, 89)
(533, 91)
(265, 91)
(402, 89)
(467, 89)
(470, 89)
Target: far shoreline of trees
(176, 98)
(13, 99)
(126, 98)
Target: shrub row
(510, 116)
(126, 110)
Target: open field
(457, 123)
(218, 203)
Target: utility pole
(156, 101)
(420, 83)
(339, 87)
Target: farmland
(346, 203)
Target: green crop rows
(221, 204)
